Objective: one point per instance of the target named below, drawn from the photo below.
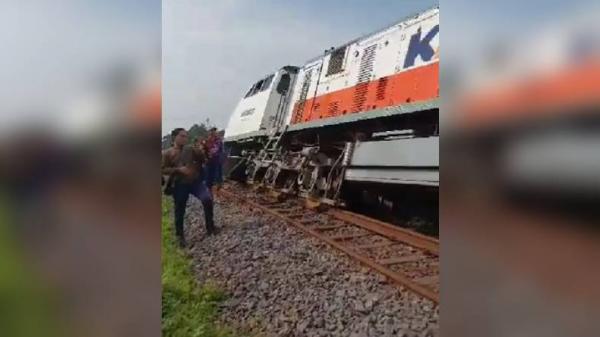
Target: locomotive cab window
(259, 86)
(255, 88)
(249, 93)
(284, 84)
(266, 82)
(336, 61)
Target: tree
(195, 132)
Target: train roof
(374, 32)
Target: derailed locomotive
(359, 122)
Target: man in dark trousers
(183, 163)
(214, 165)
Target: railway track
(406, 258)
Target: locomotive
(525, 125)
(358, 123)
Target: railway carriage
(359, 121)
(527, 120)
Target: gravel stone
(281, 282)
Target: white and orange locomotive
(360, 120)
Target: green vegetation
(26, 306)
(194, 132)
(187, 309)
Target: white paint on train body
(260, 107)
(391, 51)
(402, 47)
(407, 161)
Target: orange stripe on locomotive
(418, 84)
(547, 95)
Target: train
(358, 124)
(524, 126)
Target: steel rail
(396, 277)
(399, 234)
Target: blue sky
(213, 50)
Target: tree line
(194, 132)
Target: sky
(53, 52)
(214, 50)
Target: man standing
(215, 151)
(183, 163)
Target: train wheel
(304, 178)
(317, 181)
(271, 175)
(251, 170)
(334, 183)
(290, 182)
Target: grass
(27, 308)
(188, 309)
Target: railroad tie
(399, 260)
(377, 245)
(399, 234)
(318, 227)
(348, 236)
(428, 280)
(330, 227)
(276, 206)
(287, 211)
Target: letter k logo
(420, 47)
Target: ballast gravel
(281, 282)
